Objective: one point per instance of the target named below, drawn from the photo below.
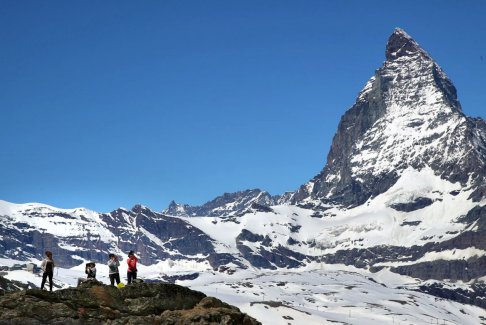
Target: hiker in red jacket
(132, 267)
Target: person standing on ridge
(47, 266)
(113, 272)
(132, 267)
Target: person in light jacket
(113, 272)
(47, 267)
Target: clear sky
(112, 103)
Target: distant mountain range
(403, 188)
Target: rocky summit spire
(406, 116)
(401, 44)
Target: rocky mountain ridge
(228, 204)
(80, 234)
(95, 303)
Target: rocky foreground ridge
(95, 303)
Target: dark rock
(267, 241)
(254, 258)
(180, 277)
(295, 228)
(475, 294)
(217, 260)
(95, 303)
(476, 214)
(209, 311)
(400, 44)
(10, 285)
(411, 223)
(445, 270)
(317, 215)
(292, 241)
(177, 234)
(418, 203)
(267, 256)
(464, 270)
(249, 236)
(283, 257)
(261, 208)
(227, 204)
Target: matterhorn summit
(395, 220)
(406, 116)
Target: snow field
(317, 294)
(344, 295)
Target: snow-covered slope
(403, 192)
(80, 234)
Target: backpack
(49, 267)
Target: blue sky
(112, 103)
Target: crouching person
(90, 270)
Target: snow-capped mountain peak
(401, 44)
(407, 115)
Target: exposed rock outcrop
(228, 204)
(152, 235)
(7, 285)
(475, 294)
(95, 303)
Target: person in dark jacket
(90, 270)
(113, 272)
(132, 267)
(47, 267)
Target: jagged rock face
(156, 236)
(95, 303)
(227, 204)
(92, 236)
(33, 230)
(407, 115)
(9, 285)
(473, 295)
(266, 256)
